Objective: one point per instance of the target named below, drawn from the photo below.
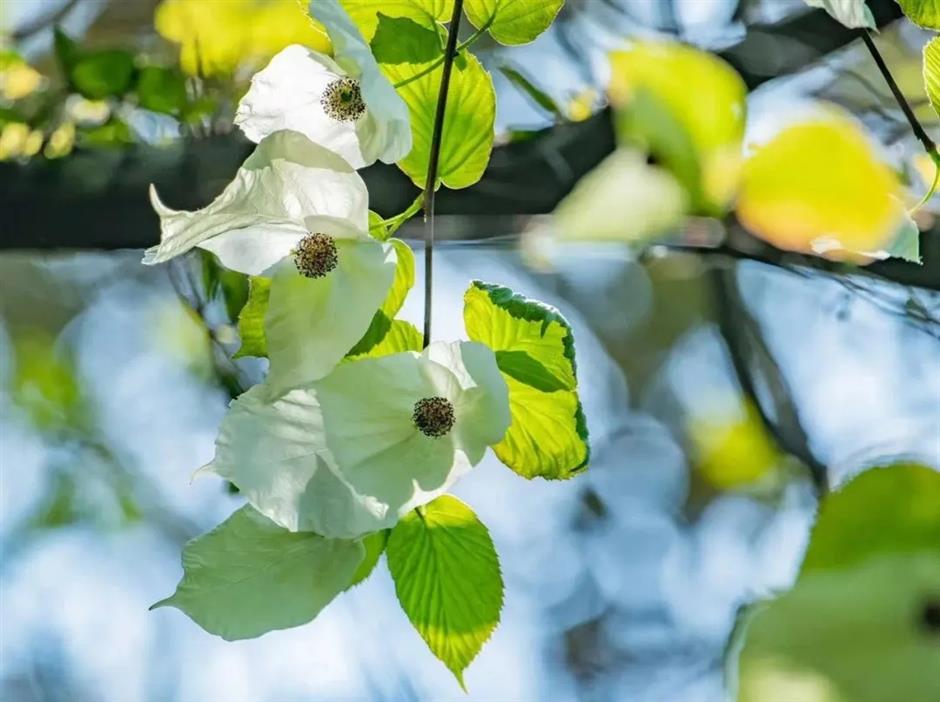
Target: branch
(430, 186)
(746, 346)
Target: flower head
(298, 213)
(377, 437)
(343, 103)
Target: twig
(450, 52)
(929, 146)
(742, 338)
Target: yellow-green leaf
(387, 336)
(407, 57)
(932, 72)
(251, 319)
(926, 13)
(535, 352)
(447, 578)
(820, 187)
(365, 13)
(374, 545)
(249, 576)
(686, 107)
(513, 21)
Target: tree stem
(450, 52)
(918, 130)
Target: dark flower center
(342, 100)
(315, 255)
(434, 416)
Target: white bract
(343, 103)
(352, 453)
(298, 213)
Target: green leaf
(535, 352)
(377, 227)
(932, 72)
(850, 13)
(103, 73)
(387, 337)
(249, 576)
(471, 106)
(513, 21)
(161, 89)
(538, 96)
(687, 108)
(382, 322)
(66, 50)
(447, 578)
(251, 319)
(857, 635)
(885, 510)
(404, 278)
(926, 13)
(858, 625)
(374, 545)
(365, 13)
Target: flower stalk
(450, 52)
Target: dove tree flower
(344, 103)
(298, 213)
(352, 453)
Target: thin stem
(437, 62)
(393, 223)
(935, 157)
(918, 130)
(450, 52)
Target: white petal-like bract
(286, 183)
(345, 456)
(289, 92)
(311, 323)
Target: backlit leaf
(513, 21)
(820, 187)
(374, 545)
(447, 578)
(471, 105)
(932, 72)
(926, 13)
(535, 352)
(251, 319)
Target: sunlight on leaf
(513, 21)
(251, 319)
(820, 187)
(374, 545)
(926, 13)
(471, 105)
(249, 576)
(216, 38)
(535, 352)
(623, 199)
(932, 72)
(448, 579)
(365, 13)
(687, 108)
